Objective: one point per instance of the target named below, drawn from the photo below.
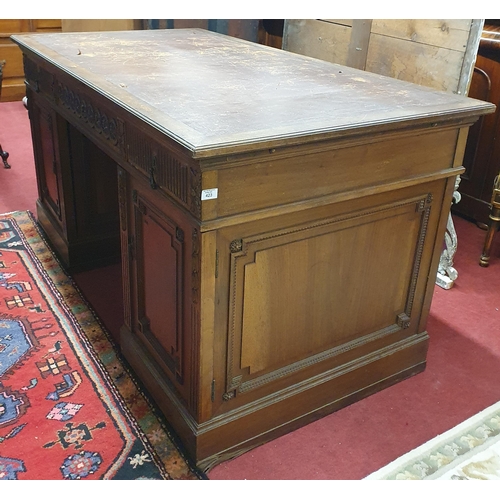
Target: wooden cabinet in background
(13, 78)
(71, 25)
(482, 154)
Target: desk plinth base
(230, 435)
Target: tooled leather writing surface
(207, 90)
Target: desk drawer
(282, 181)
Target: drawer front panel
(273, 183)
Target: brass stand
(493, 223)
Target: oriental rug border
(132, 398)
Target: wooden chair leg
(494, 223)
(4, 155)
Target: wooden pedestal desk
(280, 218)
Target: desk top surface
(214, 94)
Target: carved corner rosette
(232, 387)
(236, 246)
(227, 396)
(403, 321)
(425, 203)
(179, 234)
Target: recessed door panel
(45, 151)
(162, 285)
(304, 295)
(159, 278)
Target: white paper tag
(209, 194)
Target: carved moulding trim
(240, 248)
(310, 383)
(195, 312)
(122, 198)
(254, 407)
(110, 128)
(164, 169)
(126, 244)
(318, 358)
(426, 210)
(195, 266)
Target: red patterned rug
(69, 406)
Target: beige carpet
(469, 451)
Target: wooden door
(46, 150)
(160, 261)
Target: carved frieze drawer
(165, 170)
(111, 126)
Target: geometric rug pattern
(70, 408)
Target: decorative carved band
(195, 192)
(110, 128)
(122, 198)
(31, 72)
(245, 386)
(163, 168)
(418, 257)
(195, 266)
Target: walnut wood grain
(306, 283)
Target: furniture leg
(4, 155)
(494, 223)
